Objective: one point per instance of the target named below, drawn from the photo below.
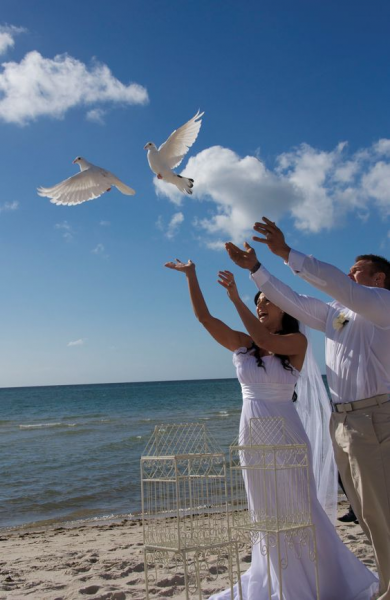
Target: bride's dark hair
(289, 325)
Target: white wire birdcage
(270, 497)
(184, 507)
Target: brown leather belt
(358, 404)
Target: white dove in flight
(90, 183)
(171, 153)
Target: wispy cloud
(96, 115)
(105, 223)
(79, 342)
(9, 206)
(316, 188)
(99, 249)
(171, 229)
(7, 35)
(174, 224)
(160, 223)
(39, 86)
(67, 230)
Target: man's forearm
(371, 303)
(311, 311)
(284, 252)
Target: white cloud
(7, 34)
(171, 229)
(174, 224)
(105, 223)
(6, 41)
(67, 230)
(39, 86)
(309, 170)
(346, 172)
(98, 250)
(241, 188)
(160, 223)
(316, 188)
(216, 245)
(382, 147)
(9, 206)
(376, 183)
(96, 115)
(79, 342)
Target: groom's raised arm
(310, 311)
(372, 303)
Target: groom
(357, 329)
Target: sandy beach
(103, 562)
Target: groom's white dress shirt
(358, 354)
(358, 366)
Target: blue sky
(296, 127)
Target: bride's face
(269, 314)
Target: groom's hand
(273, 237)
(246, 259)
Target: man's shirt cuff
(260, 276)
(296, 260)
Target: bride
(268, 360)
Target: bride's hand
(226, 279)
(188, 267)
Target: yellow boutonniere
(340, 321)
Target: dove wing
(176, 147)
(83, 186)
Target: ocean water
(73, 452)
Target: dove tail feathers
(185, 184)
(125, 189)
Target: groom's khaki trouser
(361, 441)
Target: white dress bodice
(271, 383)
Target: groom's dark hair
(379, 265)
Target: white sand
(103, 562)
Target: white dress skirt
(267, 392)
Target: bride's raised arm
(222, 333)
(291, 344)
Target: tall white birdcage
(184, 508)
(270, 499)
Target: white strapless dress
(268, 393)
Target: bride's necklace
(265, 353)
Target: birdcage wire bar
(270, 497)
(184, 507)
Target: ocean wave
(91, 415)
(76, 520)
(46, 425)
(129, 442)
(224, 413)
